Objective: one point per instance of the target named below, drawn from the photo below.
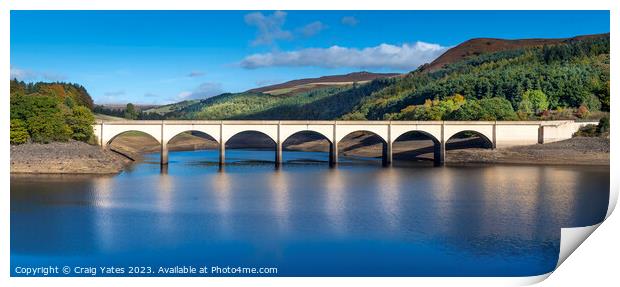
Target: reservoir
(305, 218)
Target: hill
(304, 85)
(567, 76)
(164, 109)
(479, 46)
(503, 80)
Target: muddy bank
(575, 151)
(65, 158)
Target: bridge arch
(323, 136)
(427, 134)
(482, 141)
(230, 131)
(325, 145)
(385, 147)
(286, 131)
(208, 136)
(419, 149)
(432, 129)
(485, 129)
(382, 131)
(383, 140)
(172, 131)
(257, 131)
(110, 136)
(254, 139)
(203, 135)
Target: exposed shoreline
(65, 158)
(80, 158)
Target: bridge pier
(278, 153)
(164, 154)
(222, 148)
(439, 153)
(333, 154)
(386, 155)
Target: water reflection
(221, 191)
(388, 190)
(280, 199)
(309, 219)
(103, 187)
(165, 193)
(335, 201)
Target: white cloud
(269, 27)
(30, 75)
(21, 74)
(405, 56)
(114, 93)
(349, 21)
(205, 90)
(312, 28)
(195, 74)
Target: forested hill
(557, 79)
(478, 46)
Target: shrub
(19, 134)
(582, 112)
(592, 102)
(587, 131)
(594, 130)
(603, 125)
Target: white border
(583, 267)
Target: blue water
(305, 219)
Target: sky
(159, 57)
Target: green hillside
(162, 110)
(570, 75)
(569, 79)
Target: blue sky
(166, 56)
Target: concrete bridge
(498, 133)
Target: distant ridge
(348, 78)
(477, 46)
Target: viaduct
(498, 133)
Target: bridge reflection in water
(501, 220)
(496, 133)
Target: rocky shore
(65, 158)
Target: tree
(533, 102)
(496, 108)
(44, 119)
(19, 134)
(470, 110)
(46, 112)
(130, 112)
(81, 121)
